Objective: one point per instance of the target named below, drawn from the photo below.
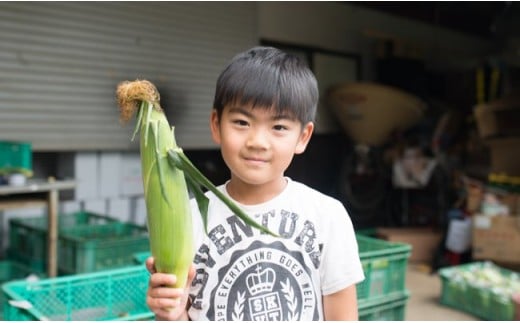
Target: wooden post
(52, 243)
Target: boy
(263, 112)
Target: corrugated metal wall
(60, 63)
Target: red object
(453, 257)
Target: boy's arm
(341, 306)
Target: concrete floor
(425, 292)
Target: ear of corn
(167, 173)
(165, 191)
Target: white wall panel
(60, 63)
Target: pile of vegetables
(167, 175)
(487, 275)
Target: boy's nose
(257, 139)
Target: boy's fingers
(150, 265)
(163, 302)
(191, 275)
(159, 279)
(166, 292)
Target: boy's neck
(249, 194)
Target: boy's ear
(305, 137)
(214, 126)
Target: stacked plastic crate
(87, 242)
(95, 259)
(382, 296)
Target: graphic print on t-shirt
(265, 282)
(244, 274)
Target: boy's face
(258, 144)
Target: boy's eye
(240, 122)
(280, 127)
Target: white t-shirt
(242, 274)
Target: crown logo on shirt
(261, 281)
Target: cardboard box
(505, 155)
(511, 200)
(498, 118)
(424, 241)
(496, 238)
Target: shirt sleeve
(341, 266)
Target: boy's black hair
(268, 77)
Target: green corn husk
(167, 173)
(165, 190)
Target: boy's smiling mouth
(255, 160)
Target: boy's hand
(166, 302)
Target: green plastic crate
(15, 157)
(117, 294)
(391, 307)
(28, 236)
(384, 264)
(465, 293)
(140, 257)
(368, 232)
(88, 249)
(10, 270)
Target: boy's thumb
(191, 275)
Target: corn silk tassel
(167, 174)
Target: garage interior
(417, 134)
